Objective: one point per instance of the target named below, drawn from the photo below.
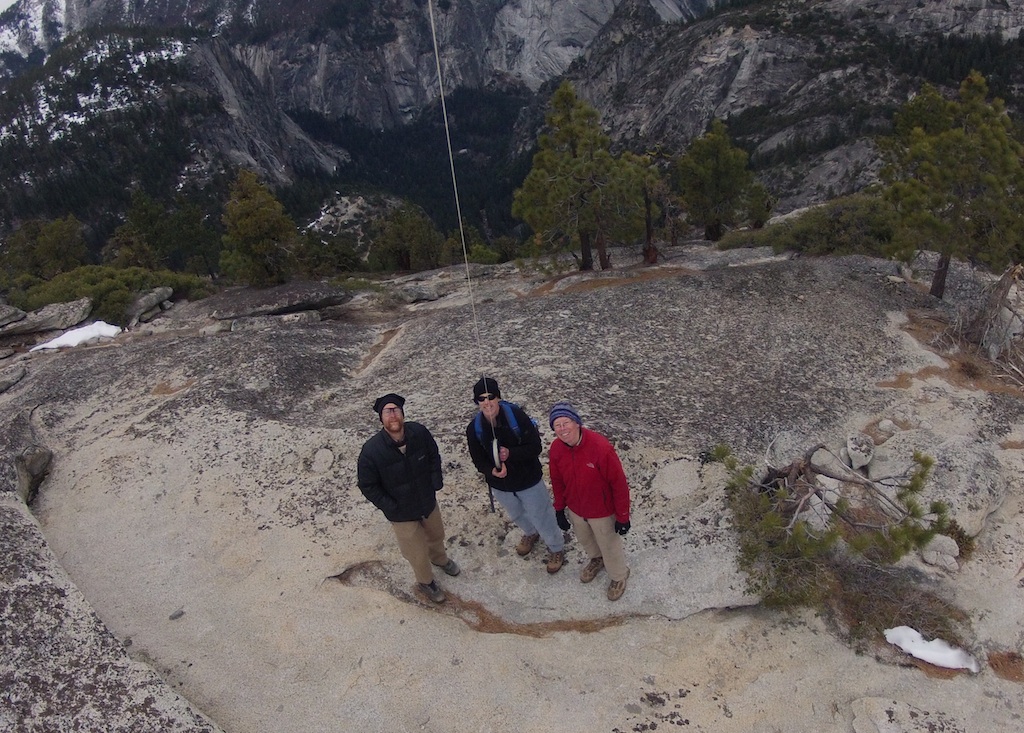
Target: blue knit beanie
(563, 409)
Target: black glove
(621, 527)
(563, 523)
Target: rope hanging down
(455, 185)
(458, 212)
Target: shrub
(483, 255)
(840, 563)
(858, 224)
(112, 289)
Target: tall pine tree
(956, 175)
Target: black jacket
(523, 464)
(401, 485)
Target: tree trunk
(989, 329)
(650, 251)
(602, 253)
(939, 278)
(586, 255)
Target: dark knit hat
(486, 385)
(389, 398)
(563, 409)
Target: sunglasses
(486, 397)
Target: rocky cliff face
(785, 75)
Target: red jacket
(588, 478)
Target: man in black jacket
(505, 446)
(399, 471)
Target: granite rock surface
(199, 558)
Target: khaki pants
(598, 538)
(422, 544)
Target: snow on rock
(77, 336)
(936, 651)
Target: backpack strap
(510, 418)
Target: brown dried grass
(1008, 665)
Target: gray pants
(533, 513)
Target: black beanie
(391, 397)
(486, 385)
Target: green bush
(112, 289)
(483, 255)
(859, 224)
(843, 567)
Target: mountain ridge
(804, 86)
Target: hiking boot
(451, 568)
(617, 587)
(595, 566)
(525, 546)
(432, 591)
(555, 561)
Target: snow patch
(936, 651)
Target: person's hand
(500, 474)
(621, 527)
(563, 523)
(503, 454)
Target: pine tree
(259, 237)
(577, 192)
(406, 240)
(713, 180)
(956, 174)
(44, 249)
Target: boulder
(942, 552)
(288, 298)
(967, 476)
(53, 317)
(147, 303)
(10, 314)
(260, 323)
(32, 465)
(859, 448)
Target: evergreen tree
(44, 249)
(714, 181)
(956, 175)
(406, 240)
(320, 255)
(577, 192)
(259, 237)
(759, 205)
(194, 245)
(131, 243)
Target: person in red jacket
(588, 482)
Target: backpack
(510, 418)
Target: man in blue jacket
(399, 471)
(504, 444)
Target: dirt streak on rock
(371, 574)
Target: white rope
(458, 211)
(455, 186)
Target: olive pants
(422, 544)
(598, 538)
